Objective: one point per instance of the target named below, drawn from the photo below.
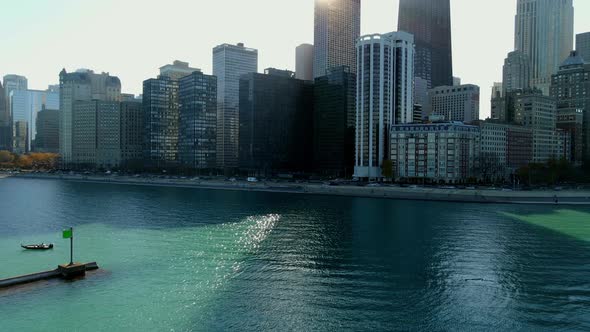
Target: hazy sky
(133, 38)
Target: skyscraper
(82, 85)
(304, 62)
(430, 23)
(26, 104)
(229, 63)
(161, 115)
(583, 45)
(545, 33)
(334, 121)
(337, 26)
(276, 113)
(384, 96)
(11, 83)
(132, 134)
(47, 139)
(197, 142)
(516, 73)
(160, 109)
(14, 82)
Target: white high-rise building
(304, 62)
(82, 85)
(385, 96)
(545, 33)
(229, 63)
(337, 26)
(455, 103)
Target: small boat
(42, 246)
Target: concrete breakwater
(569, 197)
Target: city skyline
(132, 67)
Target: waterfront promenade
(479, 195)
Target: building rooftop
(575, 59)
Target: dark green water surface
(178, 259)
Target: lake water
(176, 259)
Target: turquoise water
(175, 259)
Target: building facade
(583, 45)
(334, 122)
(504, 149)
(96, 134)
(337, 26)
(82, 85)
(571, 89)
(539, 113)
(11, 83)
(571, 122)
(384, 97)
(5, 127)
(440, 152)
(304, 62)
(544, 32)
(516, 73)
(160, 111)
(276, 117)
(430, 23)
(26, 104)
(47, 139)
(230, 62)
(455, 103)
(197, 143)
(132, 134)
(20, 137)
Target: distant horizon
(133, 47)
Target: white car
(252, 179)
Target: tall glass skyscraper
(430, 23)
(229, 63)
(337, 26)
(160, 107)
(26, 104)
(545, 33)
(197, 95)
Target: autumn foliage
(37, 161)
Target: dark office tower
(132, 134)
(430, 23)
(47, 139)
(160, 109)
(276, 123)
(583, 45)
(571, 89)
(337, 26)
(197, 143)
(334, 120)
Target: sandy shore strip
(573, 197)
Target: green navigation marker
(67, 233)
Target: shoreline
(574, 197)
